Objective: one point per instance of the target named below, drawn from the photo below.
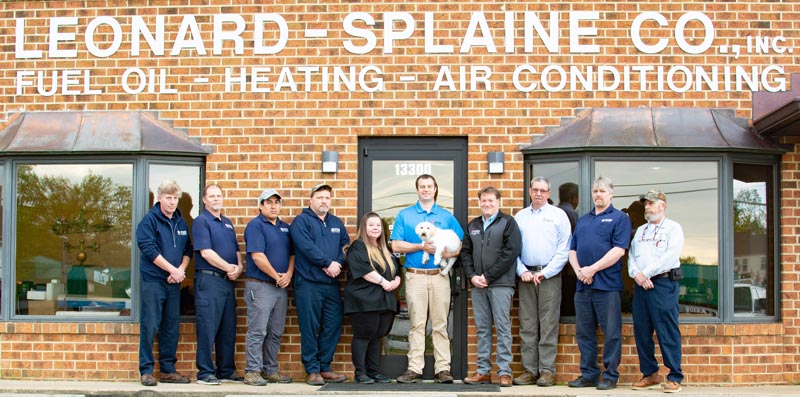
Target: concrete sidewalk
(10, 388)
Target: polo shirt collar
(607, 210)
(420, 210)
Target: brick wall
(274, 139)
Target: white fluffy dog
(442, 239)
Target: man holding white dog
(489, 254)
(427, 290)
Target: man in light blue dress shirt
(545, 248)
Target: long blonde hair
(378, 253)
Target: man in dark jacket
(163, 238)
(318, 239)
(489, 253)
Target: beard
(652, 217)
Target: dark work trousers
(161, 315)
(319, 316)
(216, 325)
(369, 328)
(594, 307)
(656, 310)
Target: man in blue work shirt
(427, 291)
(217, 264)
(318, 237)
(545, 233)
(163, 238)
(270, 266)
(600, 240)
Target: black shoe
(581, 382)
(381, 379)
(364, 380)
(607, 384)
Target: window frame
(140, 168)
(587, 165)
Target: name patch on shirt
(182, 233)
(285, 229)
(229, 226)
(474, 232)
(607, 220)
(335, 230)
(548, 220)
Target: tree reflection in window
(74, 238)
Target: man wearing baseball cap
(270, 265)
(319, 237)
(654, 263)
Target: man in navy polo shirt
(427, 291)
(270, 265)
(217, 265)
(600, 240)
(319, 237)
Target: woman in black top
(369, 297)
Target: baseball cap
(267, 194)
(653, 195)
(321, 186)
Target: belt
(535, 268)
(662, 275)
(272, 283)
(429, 272)
(210, 273)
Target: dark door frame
(422, 148)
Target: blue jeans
(161, 315)
(216, 326)
(657, 310)
(593, 307)
(319, 316)
(488, 305)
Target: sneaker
(652, 381)
(409, 377)
(607, 384)
(381, 379)
(148, 380)
(443, 377)
(581, 382)
(173, 377)
(546, 379)
(671, 387)
(254, 378)
(209, 380)
(234, 377)
(363, 380)
(276, 378)
(526, 378)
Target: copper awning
(93, 132)
(653, 129)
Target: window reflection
(1, 236)
(73, 246)
(691, 188)
(753, 294)
(188, 178)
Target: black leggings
(368, 330)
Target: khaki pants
(428, 293)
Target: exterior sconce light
(496, 160)
(330, 161)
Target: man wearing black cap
(270, 265)
(318, 237)
(654, 263)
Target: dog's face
(425, 230)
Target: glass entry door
(388, 169)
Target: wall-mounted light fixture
(330, 161)
(496, 160)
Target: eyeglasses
(539, 190)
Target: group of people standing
(534, 245)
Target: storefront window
(73, 239)
(754, 276)
(692, 194)
(2, 174)
(188, 178)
